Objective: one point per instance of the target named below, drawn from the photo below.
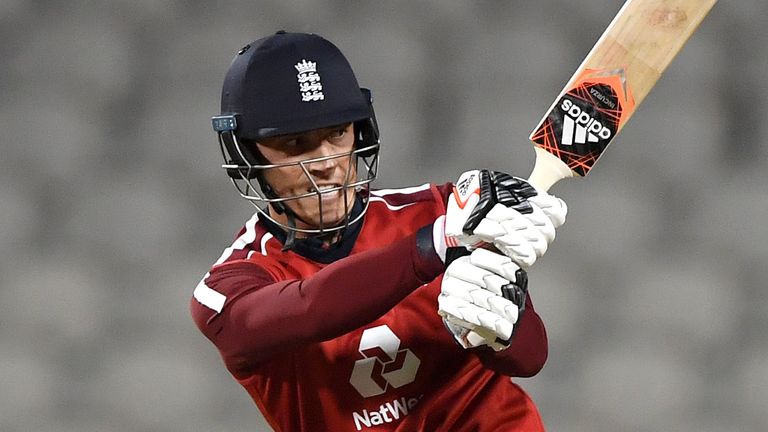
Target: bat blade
(612, 81)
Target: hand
(489, 207)
(482, 297)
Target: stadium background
(112, 204)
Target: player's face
(331, 172)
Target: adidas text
(587, 128)
(388, 412)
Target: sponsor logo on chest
(388, 412)
(385, 365)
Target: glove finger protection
(535, 226)
(482, 297)
(473, 338)
(488, 207)
(516, 235)
(552, 206)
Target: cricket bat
(612, 81)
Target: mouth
(325, 188)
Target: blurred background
(113, 205)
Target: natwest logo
(384, 363)
(388, 412)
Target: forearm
(270, 316)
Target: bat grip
(548, 170)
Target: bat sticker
(585, 119)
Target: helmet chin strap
(282, 208)
(290, 235)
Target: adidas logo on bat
(579, 127)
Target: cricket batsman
(340, 307)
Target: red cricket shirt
(349, 339)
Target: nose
(324, 167)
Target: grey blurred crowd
(113, 205)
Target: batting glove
(482, 297)
(489, 207)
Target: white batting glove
(481, 298)
(489, 207)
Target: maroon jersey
(349, 339)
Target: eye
(337, 133)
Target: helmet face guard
(243, 166)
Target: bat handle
(548, 170)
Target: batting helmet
(289, 83)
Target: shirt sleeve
(263, 315)
(444, 191)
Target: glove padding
(482, 297)
(489, 207)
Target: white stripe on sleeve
(209, 297)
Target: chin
(333, 214)
(333, 219)
(330, 218)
